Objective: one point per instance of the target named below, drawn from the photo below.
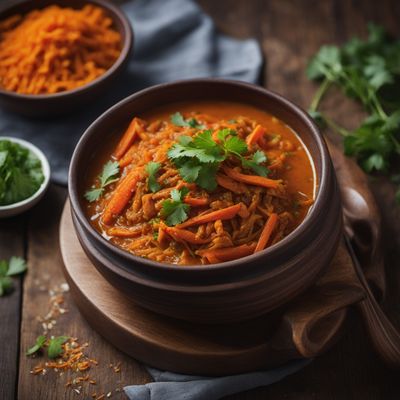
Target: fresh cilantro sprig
(174, 210)
(109, 175)
(178, 120)
(199, 158)
(254, 163)
(369, 72)
(54, 345)
(40, 342)
(152, 168)
(15, 266)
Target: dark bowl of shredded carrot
(206, 200)
(57, 55)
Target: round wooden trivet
(305, 329)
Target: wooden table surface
(289, 33)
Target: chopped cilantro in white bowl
(24, 175)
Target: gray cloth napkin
(169, 386)
(174, 40)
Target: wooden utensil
(362, 237)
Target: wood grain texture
(45, 272)
(11, 244)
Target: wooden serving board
(305, 328)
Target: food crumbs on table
(70, 357)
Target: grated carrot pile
(56, 49)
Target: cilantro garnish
(14, 266)
(54, 345)
(254, 163)
(40, 341)
(108, 176)
(178, 120)
(175, 210)
(152, 169)
(367, 71)
(199, 158)
(21, 173)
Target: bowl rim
(127, 44)
(310, 219)
(45, 168)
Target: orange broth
(140, 226)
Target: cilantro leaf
(206, 178)
(5, 285)
(107, 176)
(110, 170)
(40, 341)
(178, 120)
(190, 171)
(254, 163)
(152, 168)
(235, 145)
(3, 267)
(199, 158)
(16, 266)
(202, 147)
(175, 210)
(94, 194)
(55, 346)
(21, 173)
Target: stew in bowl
(201, 182)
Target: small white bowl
(24, 205)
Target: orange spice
(56, 49)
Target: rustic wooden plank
(11, 244)
(45, 274)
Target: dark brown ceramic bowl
(64, 102)
(230, 291)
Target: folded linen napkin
(174, 40)
(169, 386)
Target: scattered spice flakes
(73, 359)
(56, 301)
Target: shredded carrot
(162, 237)
(121, 197)
(255, 136)
(124, 232)
(215, 217)
(129, 137)
(230, 184)
(252, 179)
(127, 158)
(196, 201)
(185, 235)
(224, 213)
(55, 49)
(228, 253)
(266, 232)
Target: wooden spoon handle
(385, 337)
